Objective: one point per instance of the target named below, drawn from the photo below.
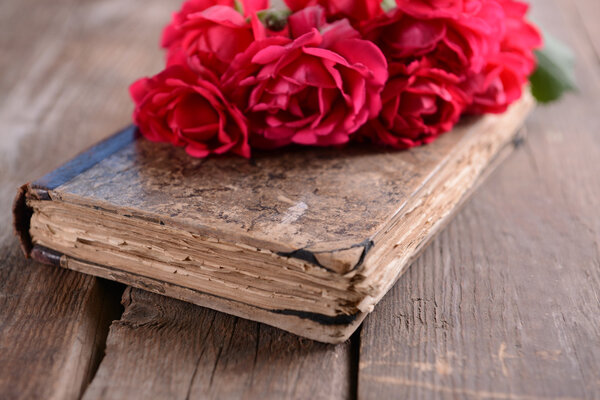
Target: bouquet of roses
(244, 74)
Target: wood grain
(505, 303)
(167, 349)
(59, 63)
(53, 325)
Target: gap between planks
(170, 349)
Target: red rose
(457, 36)
(316, 89)
(419, 103)
(179, 107)
(300, 79)
(501, 81)
(354, 10)
(499, 84)
(432, 47)
(211, 37)
(171, 31)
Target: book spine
(88, 159)
(40, 189)
(21, 219)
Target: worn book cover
(308, 240)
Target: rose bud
(179, 107)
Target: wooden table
(505, 304)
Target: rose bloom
(419, 103)
(501, 81)
(211, 38)
(443, 56)
(315, 89)
(456, 35)
(180, 107)
(172, 33)
(211, 32)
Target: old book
(308, 240)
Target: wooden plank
(164, 348)
(53, 324)
(60, 62)
(504, 304)
(588, 11)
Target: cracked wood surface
(53, 325)
(163, 348)
(505, 303)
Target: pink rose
(419, 103)
(315, 89)
(179, 107)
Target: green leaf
(555, 71)
(273, 18)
